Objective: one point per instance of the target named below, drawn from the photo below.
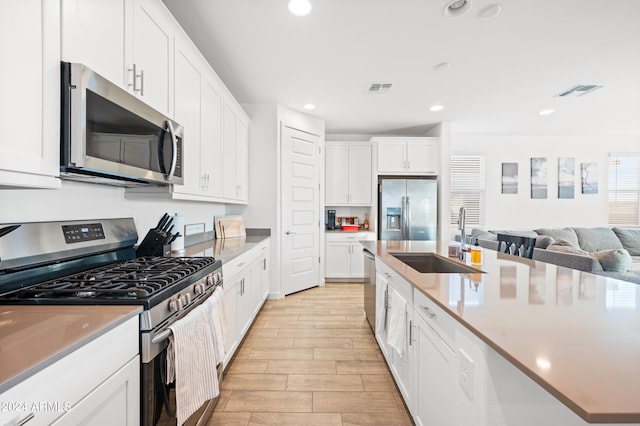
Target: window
(624, 189)
(467, 189)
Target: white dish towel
(397, 324)
(215, 307)
(191, 360)
(381, 303)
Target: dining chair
(516, 245)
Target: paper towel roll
(178, 226)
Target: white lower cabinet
(400, 363)
(97, 384)
(344, 257)
(245, 286)
(434, 368)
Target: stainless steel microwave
(110, 136)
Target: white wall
(76, 200)
(519, 211)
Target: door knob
(290, 233)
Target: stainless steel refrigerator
(407, 208)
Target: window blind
(468, 189)
(624, 190)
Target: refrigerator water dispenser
(394, 221)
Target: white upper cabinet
(150, 64)
(348, 174)
(235, 154)
(93, 34)
(211, 139)
(187, 112)
(408, 155)
(129, 42)
(30, 94)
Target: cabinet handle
(290, 233)
(135, 78)
(409, 164)
(428, 312)
(141, 82)
(264, 264)
(240, 265)
(410, 332)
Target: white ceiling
(503, 70)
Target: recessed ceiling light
(300, 7)
(490, 11)
(457, 8)
(546, 112)
(309, 106)
(436, 108)
(442, 66)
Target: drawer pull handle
(240, 265)
(428, 312)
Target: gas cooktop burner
(139, 278)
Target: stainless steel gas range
(94, 262)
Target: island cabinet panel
(30, 94)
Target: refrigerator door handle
(403, 218)
(407, 222)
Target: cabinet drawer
(440, 321)
(398, 283)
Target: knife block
(153, 245)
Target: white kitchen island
(517, 343)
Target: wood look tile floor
(310, 359)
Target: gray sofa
(613, 252)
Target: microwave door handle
(174, 157)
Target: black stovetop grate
(136, 279)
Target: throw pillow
(630, 239)
(566, 247)
(616, 260)
(566, 234)
(597, 239)
(483, 235)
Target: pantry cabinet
(129, 42)
(347, 174)
(29, 105)
(407, 155)
(344, 258)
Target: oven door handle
(161, 337)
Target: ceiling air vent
(379, 88)
(579, 90)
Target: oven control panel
(84, 232)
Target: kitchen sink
(433, 264)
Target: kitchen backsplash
(88, 201)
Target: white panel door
(391, 156)
(211, 139)
(300, 210)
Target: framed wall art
(538, 177)
(566, 177)
(509, 178)
(589, 178)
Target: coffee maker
(331, 219)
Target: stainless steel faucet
(461, 226)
